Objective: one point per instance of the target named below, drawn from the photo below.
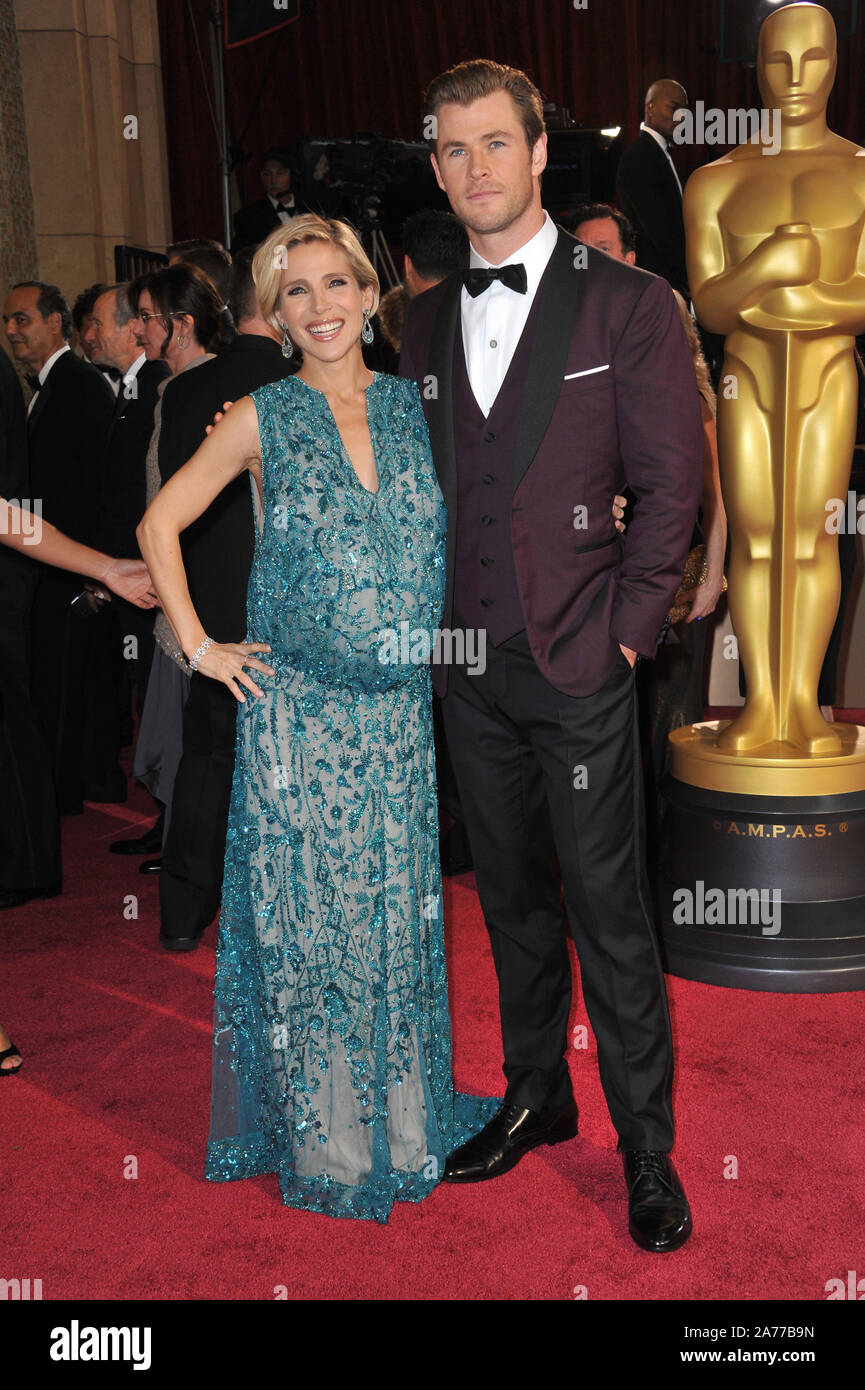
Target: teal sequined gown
(331, 1048)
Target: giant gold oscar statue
(776, 263)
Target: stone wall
(91, 84)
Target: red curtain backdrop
(361, 65)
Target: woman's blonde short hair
(268, 263)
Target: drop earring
(287, 344)
(366, 332)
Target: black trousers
(73, 693)
(101, 740)
(132, 659)
(669, 695)
(59, 681)
(29, 828)
(540, 773)
(190, 883)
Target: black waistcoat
(485, 580)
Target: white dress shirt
(285, 214)
(129, 376)
(659, 140)
(493, 322)
(44, 370)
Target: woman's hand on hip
(225, 661)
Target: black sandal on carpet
(11, 1051)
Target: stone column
(92, 89)
(17, 230)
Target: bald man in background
(649, 190)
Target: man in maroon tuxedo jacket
(551, 376)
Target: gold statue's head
(797, 53)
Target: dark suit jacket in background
(18, 574)
(218, 547)
(609, 400)
(648, 195)
(14, 475)
(67, 434)
(254, 222)
(122, 505)
(124, 485)
(29, 829)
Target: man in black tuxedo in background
(68, 421)
(112, 341)
(649, 190)
(257, 220)
(82, 317)
(29, 829)
(217, 555)
(434, 244)
(14, 473)
(605, 228)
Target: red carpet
(115, 1034)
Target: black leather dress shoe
(510, 1134)
(179, 943)
(658, 1211)
(148, 843)
(150, 866)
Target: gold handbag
(696, 569)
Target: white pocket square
(590, 371)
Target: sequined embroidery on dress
(332, 1048)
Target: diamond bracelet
(197, 655)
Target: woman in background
(181, 316)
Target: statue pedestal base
(761, 881)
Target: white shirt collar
(534, 255)
(133, 371)
(282, 207)
(46, 366)
(656, 136)
(665, 146)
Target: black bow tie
(514, 276)
(33, 382)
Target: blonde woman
(331, 1034)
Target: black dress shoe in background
(512, 1132)
(148, 843)
(658, 1211)
(150, 866)
(179, 943)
